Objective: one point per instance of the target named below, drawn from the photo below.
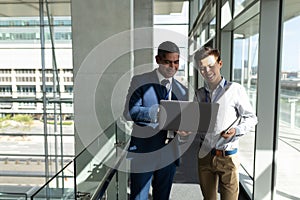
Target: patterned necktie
(165, 87)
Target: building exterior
(21, 73)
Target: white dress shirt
(233, 102)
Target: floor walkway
(192, 192)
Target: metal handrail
(53, 177)
(102, 187)
(15, 194)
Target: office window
(226, 14)
(5, 79)
(5, 90)
(27, 105)
(5, 71)
(25, 71)
(25, 79)
(68, 71)
(68, 79)
(240, 5)
(26, 90)
(245, 63)
(212, 28)
(49, 79)
(21, 56)
(287, 182)
(177, 23)
(69, 89)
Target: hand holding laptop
(183, 133)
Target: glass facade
(178, 24)
(250, 40)
(240, 5)
(36, 92)
(244, 64)
(287, 174)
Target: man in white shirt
(218, 161)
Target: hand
(229, 133)
(183, 133)
(153, 112)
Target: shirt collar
(222, 84)
(161, 77)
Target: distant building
(21, 75)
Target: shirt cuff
(238, 132)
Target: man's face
(209, 68)
(168, 65)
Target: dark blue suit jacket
(144, 95)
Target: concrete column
(95, 28)
(104, 41)
(143, 18)
(267, 99)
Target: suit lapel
(157, 86)
(175, 90)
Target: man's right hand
(183, 133)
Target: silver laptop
(187, 116)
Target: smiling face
(209, 68)
(168, 64)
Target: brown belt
(217, 152)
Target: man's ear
(221, 64)
(157, 59)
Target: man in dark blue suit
(154, 153)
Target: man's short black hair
(167, 47)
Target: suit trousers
(161, 180)
(219, 173)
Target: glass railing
(60, 186)
(8, 196)
(92, 174)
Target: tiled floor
(192, 192)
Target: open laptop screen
(187, 116)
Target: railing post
(292, 102)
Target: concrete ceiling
(167, 7)
(29, 8)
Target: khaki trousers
(219, 172)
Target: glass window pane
(240, 5)
(212, 28)
(226, 14)
(22, 129)
(288, 164)
(245, 62)
(176, 24)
